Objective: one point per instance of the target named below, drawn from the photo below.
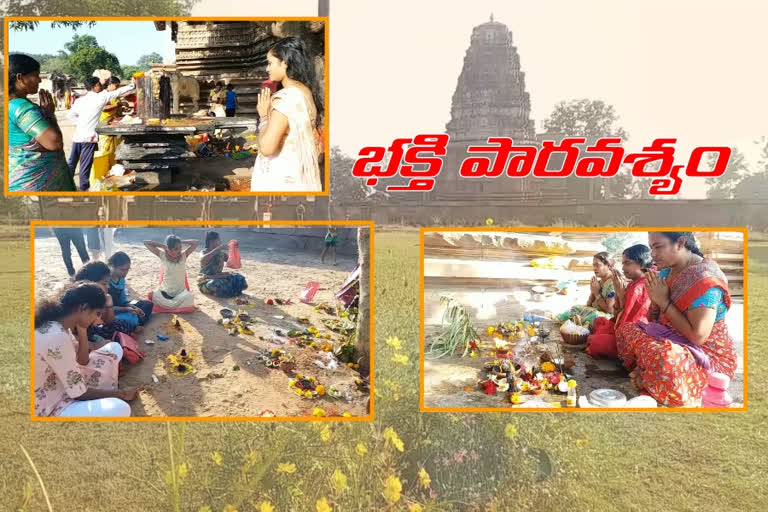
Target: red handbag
(131, 351)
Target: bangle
(669, 303)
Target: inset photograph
(583, 319)
(243, 322)
(197, 106)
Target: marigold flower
(318, 412)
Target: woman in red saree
(632, 302)
(686, 339)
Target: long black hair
(118, 259)
(690, 240)
(93, 271)
(210, 236)
(640, 254)
(300, 67)
(68, 301)
(20, 64)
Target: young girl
(135, 313)
(331, 239)
(69, 379)
(99, 272)
(631, 305)
(213, 280)
(172, 293)
(602, 294)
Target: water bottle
(716, 393)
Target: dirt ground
(195, 172)
(229, 379)
(445, 379)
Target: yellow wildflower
(392, 489)
(400, 359)
(415, 507)
(266, 507)
(216, 457)
(229, 508)
(183, 470)
(323, 506)
(325, 434)
(489, 221)
(391, 436)
(204, 508)
(339, 481)
(285, 467)
(360, 449)
(510, 431)
(318, 412)
(424, 479)
(395, 343)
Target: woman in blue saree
(36, 160)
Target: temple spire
(491, 17)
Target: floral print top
(58, 378)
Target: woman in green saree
(36, 160)
(602, 297)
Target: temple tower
(490, 100)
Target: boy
(86, 112)
(331, 239)
(230, 107)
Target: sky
(128, 40)
(694, 71)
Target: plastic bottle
(570, 400)
(716, 393)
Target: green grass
(574, 462)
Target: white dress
(295, 168)
(174, 285)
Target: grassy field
(499, 461)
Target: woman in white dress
(289, 146)
(172, 294)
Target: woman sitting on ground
(172, 294)
(631, 305)
(71, 380)
(601, 297)
(213, 280)
(98, 272)
(135, 313)
(687, 338)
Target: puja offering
(574, 333)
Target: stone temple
(491, 100)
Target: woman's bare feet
(636, 380)
(138, 330)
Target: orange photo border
(223, 223)
(524, 229)
(326, 125)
